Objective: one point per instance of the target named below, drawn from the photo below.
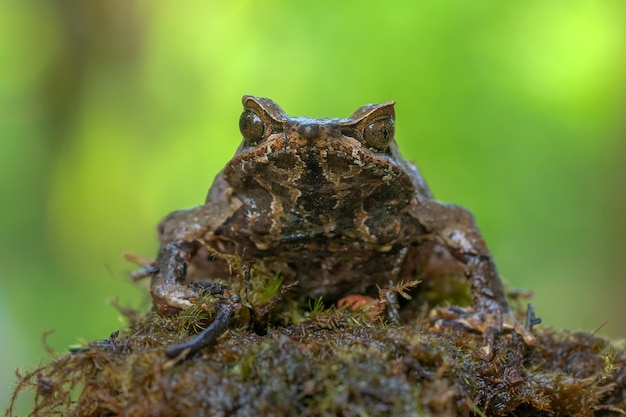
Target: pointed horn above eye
(264, 107)
(373, 111)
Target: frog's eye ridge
(379, 134)
(251, 126)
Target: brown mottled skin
(332, 204)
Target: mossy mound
(351, 368)
(326, 361)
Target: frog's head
(312, 167)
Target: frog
(332, 204)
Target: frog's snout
(309, 131)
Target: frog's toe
(168, 296)
(489, 323)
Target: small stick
(207, 337)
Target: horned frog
(332, 204)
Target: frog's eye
(251, 127)
(379, 134)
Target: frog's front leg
(168, 287)
(454, 227)
(180, 234)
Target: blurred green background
(115, 112)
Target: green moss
(311, 359)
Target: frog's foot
(489, 323)
(173, 295)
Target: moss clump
(280, 357)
